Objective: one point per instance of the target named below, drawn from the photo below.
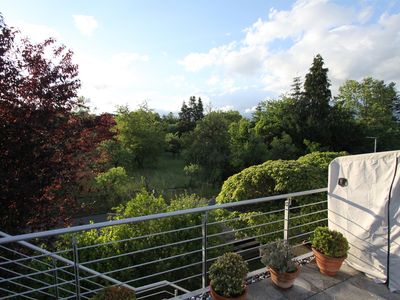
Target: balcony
(71, 263)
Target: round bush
(330, 242)
(228, 274)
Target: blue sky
(233, 54)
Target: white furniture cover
(364, 204)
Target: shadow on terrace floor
(348, 284)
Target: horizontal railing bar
(154, 294)
(69, 262)
(308, 214)
(151, 262)
(309, 223)
(152, 286)
(27, 258)
(187, 278)
(308, 204)
(29, 236)
(30, 290)
(246, 228)
(239, 218)
(163, 272)
(14, 294)
(235, 241)
(299, 235)
(140, 237)
(138, 251)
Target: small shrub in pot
(278, 256)
(330, 249)
(227, 276)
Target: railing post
(204, 249)
(286, 221)
(55, 276)
(76, 268)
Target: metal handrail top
(53, 232)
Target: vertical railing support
(55, 276)
(286, 221)
(76, 268)
(204, 250)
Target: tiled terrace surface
(348, 284)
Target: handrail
(48, 233)
(70, 262)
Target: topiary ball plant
(228, 274)
(115, 293)
(330, 242)
(279, 256)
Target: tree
(374, 105)
(209, 146)
(313, 106)
(246, 147)
(38, 133)
(141, 134)
(190, 114)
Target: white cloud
(282, 46)
(250, 109)
(36, 32)
(85, 24)
(226, 108)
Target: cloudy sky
(232, 53)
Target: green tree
(246, 147)
(374, 105)
(313, 106)
(209, 145)
(141, 133)
(190, 114)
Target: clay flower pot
(328, 265)
(216, 296)
(284, 280)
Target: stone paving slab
(311, 284)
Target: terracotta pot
(284, 280)
(216, 296)
(328, 265)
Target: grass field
(168, 178)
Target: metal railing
(157, 256)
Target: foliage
(246, 147)
(115, 293)
(282, 148)
(329, 242)
(173, 143)
(210, 146)
(113, 187)
(228, 274)
(141, 133)
(40, 138)
(375, 107)
(320, 159)
(136, 238)
(192, 170)
(190, 114)
(270, 178)
(279, 256)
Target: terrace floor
(348, 284)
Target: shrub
(278, 256)
(228, 274)
(115, 293)
(329, 242)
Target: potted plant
(115, 293)
(278, 257)
(330, 250)
(228, 277)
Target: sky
(231, 53)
